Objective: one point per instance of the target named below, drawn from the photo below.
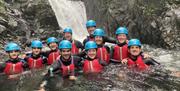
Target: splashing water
(71, 14)
(169, 58)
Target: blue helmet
(36, 44)
(134, 42)
(122, 30)
(65, 44)
(12, 47)
(68, 30)
(90, 45)
(90, 23)
(52, 40)
(99, 32)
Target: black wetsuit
(57, 65)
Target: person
(120, 50)
(91, 63)
(103, 51)
(66, 63)
(135, 59)
(52, 55)
(35, 59)
(76, 45)
(91, 26)
(14, 65)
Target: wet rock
(12, 23)
(26, 20)
(2, 28)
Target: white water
(71, 14)
(169, 58)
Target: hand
(13, 76)
(41, 89)
(146, 55)
(124, 61)
(176, 73)
(22, 56)
(72, 78)
(42, 85)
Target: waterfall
(71, 14)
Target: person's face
(68, 36)
(36, 51)
(13, 54)
(134, 50)
(98, 40)
(91, 30)
(121, 38)
(91, 53)
(53, 46)
(65, 53)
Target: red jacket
(138, 63)
(92, 66)
(120, 52)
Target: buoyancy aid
(92, 66)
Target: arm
(111, 51)
(151, 61)
(84, 41)
(110, 40)
(2, 67)
(78, 62)
(103, 63)
(81, 54)
(115, 61)
(45, 53)
(107, 48)
(25, 64)
(79, 45)
(44, 59)
(55, 66)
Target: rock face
(23, 20)
(154, 22)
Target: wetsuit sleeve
(103, 63)
(107, 48)
(25, 64)
(110, 40)
(78, 62)
(81, 54)
(2, 67)
(45, 53)
(44, 59)
(79, 45)
(111, 51)
(84, 42)
(27, 57)
(56, 66)
(114, 61)
(150, 61)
